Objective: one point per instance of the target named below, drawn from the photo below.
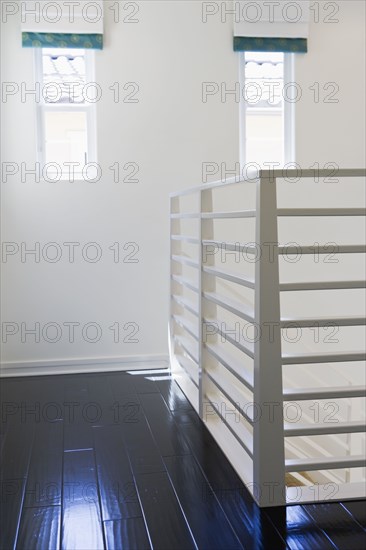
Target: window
(267, 119)
(66, 112)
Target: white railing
(236, 382)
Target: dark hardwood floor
(118, 461)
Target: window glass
(66, 113)
(64, 75)
(264, 123)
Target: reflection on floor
(119, 461)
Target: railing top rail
(254, 175)
(313, 173)
(214, 184)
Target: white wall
(169, 133)
(334, 132)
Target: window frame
(289, 150)
(89, 108)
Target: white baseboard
(85, 365)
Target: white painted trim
(83, 365)
(289, 112)
(92, 133)
(242, 115)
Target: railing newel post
(268, 429)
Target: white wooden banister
(235, 383)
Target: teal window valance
(62, 40)
(256, 44)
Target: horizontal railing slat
(240, 343)
(229, 362)
(289, 250)
(242, 405)
(324, 428)
(184, 260)
(185, 344)
(341, 392)
(305, 358)
(189, 367)
(231, 247)
(321, 212)
(241, 310)
(228, 215)
(324, 463)
(238, 430)
(187, 304)
(232, 277)
(185, 238)
(322, 285)
(322, 249)
(185, 215)
(186, 325)
(185, 282)
(323, 321)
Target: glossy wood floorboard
(122, 462)
(81, 525)
(39, 524)
(127, 534)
